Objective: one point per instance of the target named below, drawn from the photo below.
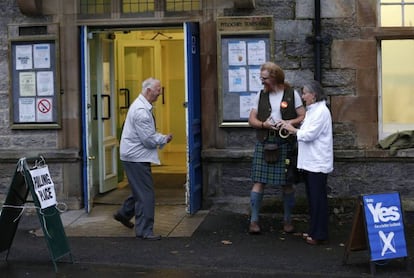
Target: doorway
(157, 53)
(115, 63)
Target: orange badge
(283, 104)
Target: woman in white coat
(315, 158)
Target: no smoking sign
(44, 106)
(44, 109)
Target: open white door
(104, 120)
(100, 144)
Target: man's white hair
(149, 84)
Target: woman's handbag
(271, 152)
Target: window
(397, 76)
(145, 6)
(138, 6)
(182, 5)
(397, 13)
(396, 111)
(95, 7)
(133, 8)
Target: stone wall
(229, 183)
(349, 76)
(58, 147)
(348, 61)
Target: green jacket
(399, 140)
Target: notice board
(244, 44)
(34, 97)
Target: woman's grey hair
(315, 88)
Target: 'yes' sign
(385, 227)
(383, 214)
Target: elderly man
(138, 149)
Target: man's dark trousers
(142, 201)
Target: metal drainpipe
(317, 41)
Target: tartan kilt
(263, 172)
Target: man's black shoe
(151, 237)
(123, 220)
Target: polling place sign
(43, 187)
(385, 226)
(37, 181)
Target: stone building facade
(348, 40)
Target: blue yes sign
(385, 226)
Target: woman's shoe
(288, 228)
(254, 228)
(312, 241)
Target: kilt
(263, 172)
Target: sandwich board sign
(382, 216)
(38, 182)
(385, 226)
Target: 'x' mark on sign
(387, 242)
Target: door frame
(193, 99)
(193, 116)
(84, 54)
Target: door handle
(95, 101)
(108, 116)
(92, 157)
(103, 97)
(125, 91)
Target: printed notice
(246, 104)
(27, 110)
(237, 53)
(24, 57)
(237, 80)
(27, 83)
(44, 108)
(44, 83)
(255, 84)
(41, 54)
(256, 52)
(44, 187)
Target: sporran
(271, 152)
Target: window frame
(149, 14)
(402, 4)
(95, 15)
(159, 12)
(382, 34)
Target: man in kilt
(277, 102)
